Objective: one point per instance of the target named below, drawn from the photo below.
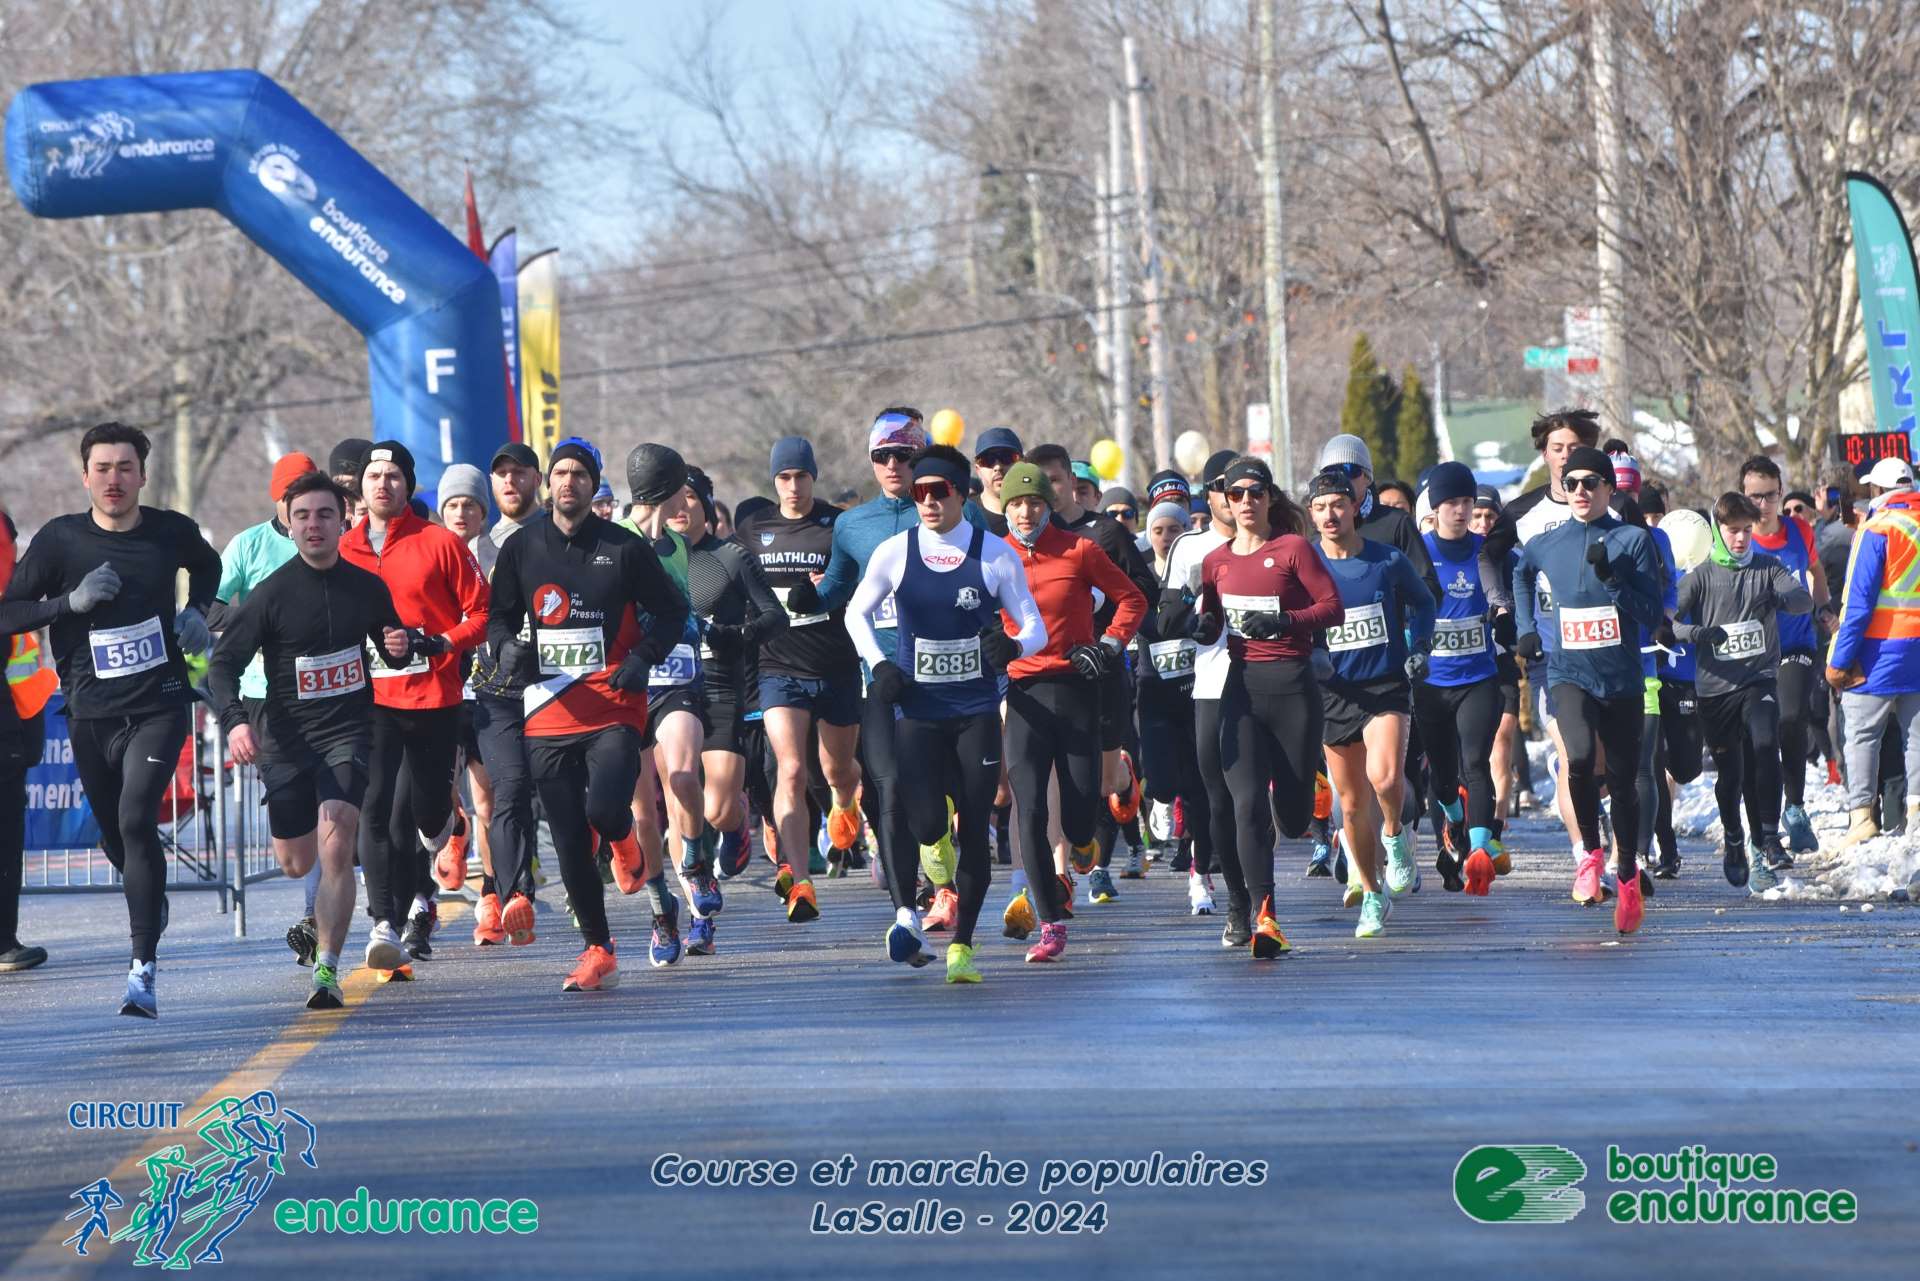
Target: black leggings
(1171, 762)
(409, 791)
(1795, 681)
(957, 756)
(1052, 731)
(126, 764)
(884, 803)
(1743, 733)
(499, 727)
(586, 782)
(1588, 724)
(1461, 721)
(21, 743)
(1270, 722)
(1218, 802)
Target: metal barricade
(240, 816)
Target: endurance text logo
(1523, 1183)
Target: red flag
(478, 243)
(475, 241)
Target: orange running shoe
(517, 920)
(450, 864)
(593, 972)
(402, 975)
(487, 930)
(1085, 857)
(783, 882)
(1322, 797)
(1833, 771)
(770, 843)
(1479, 872)
(843, 827)
(1124, 805)
(1268, 941)
(944, 912)
(629, 865)
(802, 906)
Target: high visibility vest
(30, 684)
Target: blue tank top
(1796, 630)
(1462, 641)
(1375, 587)
(940, 619)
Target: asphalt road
(1359, 1073)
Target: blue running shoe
(734, 854)
(1760, 875)
(905, 946)
(140, 1001)
(666, 948)
(704, 892)
(1339, 858)
(1100, 886)
(1799, 830)
(700, 936)
(1321, 864)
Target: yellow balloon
(1106, 458)
(949, 428)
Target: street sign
(1546, 358)
(1583, 364)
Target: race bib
(377, 668)
(330, 675)
(1542, 595)
(1238, 607)
(572, 651)
(1459, 637)
(945, 662)
(679, 668)
(1744, 640)
(1365, 627)
(798, 620)
(888, 615)
(1172, 660)
(125, 651)
(1593, 627)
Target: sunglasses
(1123, 513)
(888, 457)
(931, 491)
(1587, 483)
(1246, 493)
(1799, 509)
(1354, 471)
(998, 458)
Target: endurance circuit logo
(1525, 1183)
(91, 145)
(1538, 1183)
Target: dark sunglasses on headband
(1587, 482)
(885, 456)
(931, 491)
(998, 458)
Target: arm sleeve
(24, 607)
(1130, 603)
(463, 572)
(1790, 595)
(231, 654)
(1498, 590)
(1326, 610)
(842, 575)
(765, 617)
(1523, 572)
(1635, 587)
(1863, 592)
(882, 576)
(202, 564)
(506, 607)
(1420, 606)
(1010, 588)
(1687, 607)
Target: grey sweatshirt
(1746, 601)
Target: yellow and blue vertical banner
(1889, 300)
(538, 289)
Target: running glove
(1530, 648)
(190, 629)
(1264, 625)
(724, 639)
(998, 648)
(1709, 637)
(803, 598)
(889, 683)
(1203, 628)
(1089, 660)
(423, 645)
(1416, 667)
(101, 585)
(1505, 631)
(1663, 634)
(1597, 557)
(511, 657)
(631, 676)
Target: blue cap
(997, 438)
(792, 453)
(1084, 471)
(604, 494)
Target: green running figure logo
(1521, 1183)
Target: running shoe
(1479, 874)
(326, 994)
(905, 946)
(450, 864)
(1502, 861)
(629, 866)
(1136, 865)
(1237, 931)
(1100, 886)
(1523, 801)
(21, 957)
(384, 949)
(857, 856)
(770, 841)
(1124, 805)
(1374, 910)
(1761, 876)
(1086, 857)
(1449, 868)
(1630, 907)
(802, 906)
(595, 971)
(487, 930)
(400, 974)
(1733, 862)
(734, 854)
(517, 920)
(1340, 858)
(1403, 877)
(1586, 879)
(816, 863)
(704, 892)
(418, 938)
(666, 948)
(960, 967)
(1053, 941)
(1066, 896)
(1354, 892)
(304, 938)
(944, 912)
(783, 882)
(1321, 864)
(1833, 772)
(1017, 922)
(938, 860)
(140, 1001)
(843, 826)
(1777, 859)
(836, 864)
(1199, 895)
(1182, 860)
(1798, 829)
(700, 936)
(1268, 941)
(1667, 867)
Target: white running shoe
(1199, 894)
(384, 951)
(1402, 875)
(1136, 865)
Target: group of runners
(992, 657)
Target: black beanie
(349, 458)
(655, 473)
(391, 451)
(1587, 458)
(1448, 481)
(580, 454)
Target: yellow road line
(47, 1257)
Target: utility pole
(1119, 320)
(183, 450)
(1610, 149)
(1279, 415)
(1103, 291)
(1158, 383)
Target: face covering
(1721, 556)
(1028, 540)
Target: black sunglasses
(1798, 509)
(885, 456)
(998, 458)
(1123, 513)
(1587, 483)
(1246, 493)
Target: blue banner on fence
(58, 815)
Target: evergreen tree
(1418, 448)
(1371, 394)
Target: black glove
(422, 645)
(1265, 625)
(1203, 628)
(803, 598)
(725, 639)
(1663, 634)
(1504, 631)
(996, 647)
(631, 676)
(889, 683)
(1416, 667)
(511, 657)
(1709, 637)
(654, 649)
(1530, 648)
(1597, 557)
(1089, 660)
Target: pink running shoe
(1053, 941)
(1629, 907)
(1586, 879)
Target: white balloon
(1190, 451)
(1691, 536)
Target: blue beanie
(792, 453)
(1448, 481)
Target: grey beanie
(1346, 449)
(463, 480)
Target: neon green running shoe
(960, 967)
(326, 994)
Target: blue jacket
(1879, 630)
(856, 536)
(1598, 646)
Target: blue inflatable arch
(236, 142)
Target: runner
(22, 740)
(1509, 748)
(102, 581)
(1603, 577)
(1378, 649)
(309, 620)
(1269, 594)
(462, 495)
(1461, 694)
(809, 674)
(442, 598)
(581, 584)
(1053, 704)
(946, 579)
(997, 449)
